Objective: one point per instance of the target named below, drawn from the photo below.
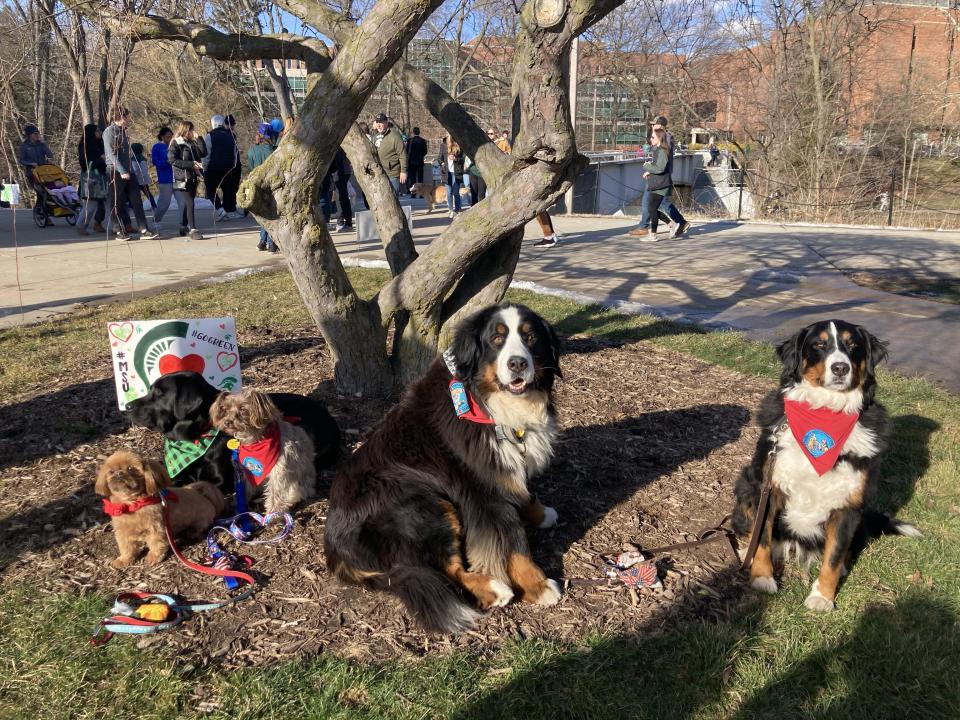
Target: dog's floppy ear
(467, 345)
(876, 351)
(556, 348)
(261, 408)
(155, 476)
(791, 354)
(102, 486)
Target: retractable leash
(143, 613)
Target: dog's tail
(877, 524)
(429, 596)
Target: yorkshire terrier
(277, 455)
(131, 485)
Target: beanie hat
(30, 130)
(276, 125)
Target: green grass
(892, 649)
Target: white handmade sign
(143, 350)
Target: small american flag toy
(631, 569)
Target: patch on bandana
(817, 442)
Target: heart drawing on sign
(121, 331)
(226, 360)
(171, 363)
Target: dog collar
(116, 509)
(820, 432)
(467, 407)
(179, 454)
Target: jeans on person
(120, 193)
(265, 240)
(164, 196)
(655, 202)
(185, 200)
(453, 193)
(395, 184)
(89, 213)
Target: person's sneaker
(341, 227)
(273, 248)
(648, 237)
(235, 215)
(546, 242)
(679, 229)
(182, 231)
(450, 214)
(194, 234)
(671, 228)
(261, 246)
(639, 232)
(148, 235)
(122, 237)
(221, 215)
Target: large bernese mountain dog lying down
(822, 441)
(432, 506)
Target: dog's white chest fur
(531, 457)
(810, 498)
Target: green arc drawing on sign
(154, 344)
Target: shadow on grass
(898, 661)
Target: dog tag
(458, 393)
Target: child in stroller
(56, 197)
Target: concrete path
(767, 280)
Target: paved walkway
(768, 280)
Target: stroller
(48, 204)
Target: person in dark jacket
(667, 209)
(33, 150)
(659, 165)
(416, 156)
(344, 172)
(450, 160)
(123, 187)
(390, 152)
(90, 156)
(222, 163)
(185, 154)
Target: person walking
(550, 238)
(416, 156)
(478, 187)
(451, 160)
(344, 170)
(222, 158)
(185, 155)
(390, 152)
(667, 208)
(33, 150)
(141, 171)
(256, 156)
(93, 179)
(158, 155)
(659, 183)
(231, 181)
(123, 188)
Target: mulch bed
(652, 442)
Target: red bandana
(259, 458)
(820, 432)
(466, 405)
(116, 509)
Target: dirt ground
(651, 444)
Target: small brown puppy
(130, 486)
(434, 194)
(277, 455)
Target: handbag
(93, 184)
(659, 182)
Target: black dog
(178, 405)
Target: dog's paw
(816, 601)
(550, 595)
(501, 592)
(764, 584)
(549, 518)
(122, 562)
(154, 557)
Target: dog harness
(820, 432)
(116, 509)
(180, 454)
(467, 407)
(259, 458)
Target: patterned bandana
(179, 454)
(821, 432)
(466, 406)
(259, 458)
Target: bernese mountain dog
(432, 506)
(819, 452)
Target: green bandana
(178, 454)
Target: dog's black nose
(517, 364)
(840, 369)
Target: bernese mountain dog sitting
(431, 506)
(819, 453)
